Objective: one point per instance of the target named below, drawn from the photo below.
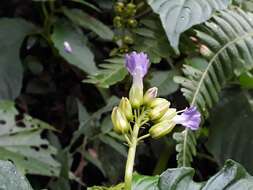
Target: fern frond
(228, 36)
(112, 72)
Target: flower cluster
(157, 110)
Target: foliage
(200, 54)
(223, 148)
(10, 178)
(228, 40)
(20, 142)
(231, 176)
(178, 16)
(11, 68)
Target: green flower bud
(119, 121)
(150, 95)
(132, 23)
(126, 108)
(119, 7)
(169, 114)
(130, 9)
(158, 101)
(118, 22)
(158, 111)
(128, 39)
(161, 129)
(136, 96)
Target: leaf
(186, 147)
(150, 38)
(246, 80)
(232, 117)
(87, 4)
(21, 142)
(11, 179)
(81, 55)
(145, 182)
(178, 178)
(232, 176)
(112, 72)
(163, 80)
(88, 126)
(228, 40)
(11, 70)
(118, 146)
(88, 22)
(178, 16)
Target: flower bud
(126, 108)
(158, 101)
(169, 114)
(150, 95)
(136, 96)
(158, 111)
(161, 129)
(119, 121)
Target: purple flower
(190, 118)
(67, 47)
(137, 65)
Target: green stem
(131, 157)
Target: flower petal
(190, 118)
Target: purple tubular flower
(137, 65)
(67, 47)
(190, 118)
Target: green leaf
(21, 142)
(88, 126)
(150, 38)
(178, 16)
(145, 182)
(232, 117)
(88, 22)
(112, 72)
(227, 39)
(87, 4)
(11, 70)
(118, 146)
(231, 177)
(11, 179)
(163, 80)
(179, 178)
(246, 80)
(81, 55)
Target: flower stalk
(131, 157)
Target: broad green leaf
(112, 72)
(231, 177)
(145, 182)
(21, 142)
(231, 129)
(11, 179)
(88, 22)
(178, 16)
(81, 55)
(12, 34)
(163, 80)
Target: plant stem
(131, 157)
